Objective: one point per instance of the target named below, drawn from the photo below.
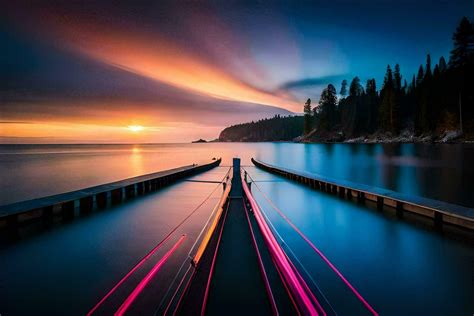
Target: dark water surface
(443, 172)
(400, 267)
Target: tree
(327, 103)
(370, 87)
(372, 101)
(356, 88)
(343, 91)
(397, 83)
(419, 76)
(307, 117)
(428, 66)
(463, 51)
(442, 65)
(388, 115)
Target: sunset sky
(176, 72)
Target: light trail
(206, 293)
(297, 289)
(144, 282)
(320, 253)
(149, 254)
(262, 268)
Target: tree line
(277, 128)
(438, 98)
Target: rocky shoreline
(406, 136)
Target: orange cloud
(159, 59)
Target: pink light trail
(143, 283)
(320, 253)
(295, 284)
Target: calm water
(399, 266)
(443, 172)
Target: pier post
(379, 203)
(48, 214)
(130, 191)
(349, 194)
(67, 209)
(438, 219)
(342, 191)
(86, 204)
(140, 188)
(399, 209)
(101, 200)
(360, 197)
(116, 196)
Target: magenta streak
(206, 293)
(308, 290)
(281, 259)
(138, 265)
(319, 252)
(286, 287)
(148, 255)
(262, 268)
(143, 283)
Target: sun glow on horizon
(135, 128)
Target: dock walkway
(441, 212)
(101, 196)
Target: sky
(130, 72)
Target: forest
(278, 128)
(437, 100)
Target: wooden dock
(101, 196)
(440, 212)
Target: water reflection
(438, 171)
(396, 265)
(136, 160)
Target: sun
(135, 128)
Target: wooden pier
(440, 212)
(85, 200)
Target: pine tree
(328, 103)
(370, 87)
(343, 91)
(436, 71)
(419, 76)
(372, 104)
(442, 65)
(463, 51)
(389, 112)
(307, 117)
(397, 83)
(428, 66)
(356, 88)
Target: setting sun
(136, 128)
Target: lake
(399, 266)
(441, 171)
